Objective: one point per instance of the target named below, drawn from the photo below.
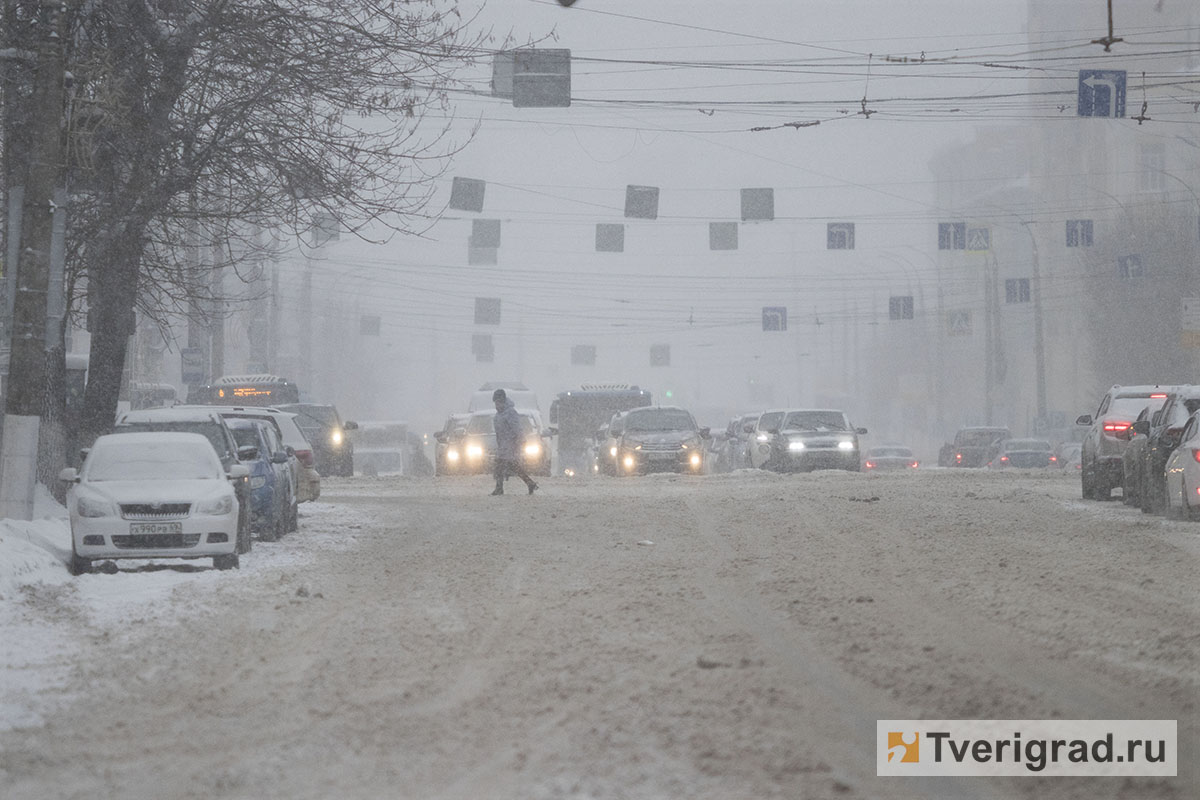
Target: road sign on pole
(774, 318)
(1101, 92)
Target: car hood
(180, 491)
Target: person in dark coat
(508, 443)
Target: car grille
(147, 512)
(660, 447)
(155, 541)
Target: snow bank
(37, 551)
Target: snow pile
(37, 551)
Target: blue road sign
(1101, 92)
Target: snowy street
(723, 636)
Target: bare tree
(213, 119)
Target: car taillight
(914, 464)
(1118, 430)
(306, 457)
(958, 456)
(1004, 458)
(1053, 459)
(870, 465)
(1196, 454)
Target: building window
(900, 307)
(952, 236)
(583, 354)
(1079, 233)
(481, 346)
(840, 236)
(1016, 290)
(1152, 165)
(660, 355)
(1130, 267)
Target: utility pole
(27, 360)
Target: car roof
(157, 437)
(172, 414)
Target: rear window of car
(1026, 444)
(1130, 407)
(980, 438)
(891, 452)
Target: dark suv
(326, 432)
(1162, 430)
(977, 446)
(660, 439)
(1109, 432)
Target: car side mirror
(459, 433)
(237, 472)
(705, 433)
(1142, 426)
(1083, 419)
(69, 475)
(279, 457)
(348, 425)
(861, 431)
(247, 453)
(440, 437)
(291, 451)
(551, 431)
(83, 453)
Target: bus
(251, 390)
(578, 413)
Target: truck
(578, 413)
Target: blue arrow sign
(1101, 92)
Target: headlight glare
(845, 445)
(795, 444)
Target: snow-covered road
(725, 636)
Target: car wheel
(79, 565)
(270, 531)
(1156, 497)
(226, 562)
(244, 540)
(293, 516)
(1085, 482)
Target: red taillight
(870, 465)
(1004, 458)
(1158, 397)
(958, 456)
(1118, 430)
(306, 457)
(1196, 453)
(1053, 459)
(913, 465)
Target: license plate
(661, 456)
(150, 528)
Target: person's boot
(498, 490)
(532, 487)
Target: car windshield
(1026, 444)
(310, 417)
(890, 452)
(769, 420)
(1130, 407)
(483, 424)
(660, 419)
(159, 461)
(245, 434)
(208, 430)
(814, 421)
(980, 438)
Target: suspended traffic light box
(466, 194)
(487, 310)
(722, 236)
(774, 318)
(533, 77)
(660, 355)
(610, 238)
(758, 204)
(641, 202)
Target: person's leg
(519, 469)
(498, 471)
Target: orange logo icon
(904, 747)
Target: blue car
(261, 450)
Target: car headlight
(612, 451)
(452, 455)
(216, 506)
(763, 437)
(91, 506)
(474, 451)
(795, 444)
(258, 482)
(335, 438)
(846, 444)
(533, 449)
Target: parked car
(1024, 454)
(272, 500)
(733, 450)
(479, 443)
(1133, 459)
(1161, 433)
(760, 435)
(153, 495)
(325, 430)
(1066, 455)
(306, 480)
(660, 439)
(448, 455)
(382, 448)
(889, 457)
(1182, 473)
(813, 438)
(1109, 431)
(211, 425)
(976, 446)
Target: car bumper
(641, 462)
(195, 537)
(822, 459)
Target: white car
(1182, 473)
(153, 495)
